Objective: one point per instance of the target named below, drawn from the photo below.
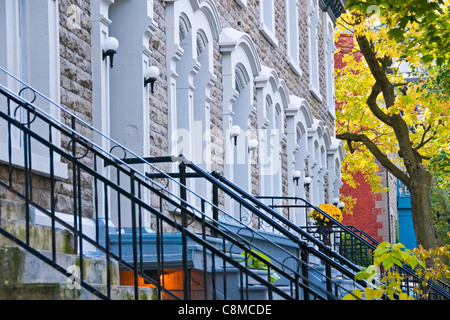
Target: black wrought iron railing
(46, 161)
(355, 245)
(184, 242)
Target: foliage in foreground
(427, 264)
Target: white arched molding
(325, 144)
(313, 47)
(133, 25)
(272, 99)
(192, 27)
(120, 100)
(315, 166)
(319, 142)
(336, 154)
(299, 121)
(240, 66)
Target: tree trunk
(420, 189)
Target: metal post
(305, 272)
(215, 194)
(133, 225)
(186, 291)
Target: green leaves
(386, 285)
(256, 260)
(396, 34)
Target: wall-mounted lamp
(341, 205)
(307, 182)
(110, 47)
(234, 133)
(152, 74)
(296, 176)
(336, 201)
(252, 145)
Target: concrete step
(24, 276)
(18, 266)
(58, 291)
(13, 216)
(40, 237)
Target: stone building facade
(232, 74)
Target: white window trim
(268, 33)
(329, 62)
(292, 28)
(242, 3)
(313, 23)
(45, 77)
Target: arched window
(192, 28)
(240, 66)
(273, 98)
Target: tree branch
(423, 142)
(380, 156)
(377, 70)
(373, 106)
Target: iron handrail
(368, 241)
(123, 161)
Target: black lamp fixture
(338, 204)
(296, 176)
(234, 133)
(110, 47)
(152, 74)
(307, 182)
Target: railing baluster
(108, 271)
(96, 202)
(186, 278)
(27, 189)
(52, 196)
(74, 185)
(80, 217)
(9, 144)
(305, 273)
(119, 215)
(134, 234)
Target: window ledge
(294, 66)
(315, 92)
(269, 35)
(40, 164)
(242, 3)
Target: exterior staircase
(23, 276)
(194, 250)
